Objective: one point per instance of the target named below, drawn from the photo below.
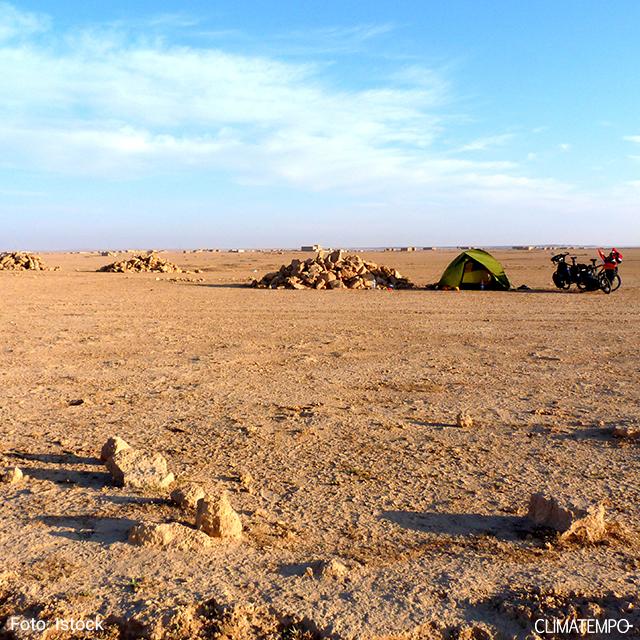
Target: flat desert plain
(329, 418)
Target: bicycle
(608, 276)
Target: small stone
(246, 481)
(139, 470)
(169, 534)
(112, 446)
(188, 495)
(12, 475)
(585, 525)
(217, 518)
(629, 433)
(464, 420)
(334, 568)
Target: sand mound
(18, 261)
(335, 270)
(148, 263)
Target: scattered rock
(464, 419)
(188, 495)
(12, 475)
(19, 261)
(169, 534)
(217, 518)
(112, 446)
(584, 525)
(139, 469)
(148, 263)
(335, 270)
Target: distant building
(311, 247)
(236, 251)
(407, 248)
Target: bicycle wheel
(559, 281)
(605, 283)
(616, 281)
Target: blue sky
(180, 124)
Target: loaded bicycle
(588, 277)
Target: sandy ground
(342, 406)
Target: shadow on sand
(87, 479)
(564, 292)
(460, 524)
(140, 500)
(88, 527)
(53, 458)
(221, 285)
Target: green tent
(474, 269)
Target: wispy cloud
(632, 139)
(106, 103)
(18, 24)
(113, 103)
(481, 144)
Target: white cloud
(632, 139)
(481, 144)
(16, 24)
(564, 147)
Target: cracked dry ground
(341, 405)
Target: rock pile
(335, 270)
(149, 263)
(18, 261)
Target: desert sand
(367, 512)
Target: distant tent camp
(474, 269)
